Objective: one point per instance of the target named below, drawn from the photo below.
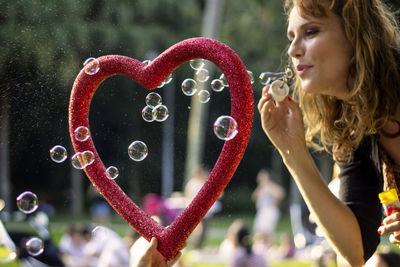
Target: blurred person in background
(267, 197)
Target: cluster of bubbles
(80, 160)
(189, 86)
(225, 127)
(154, 109)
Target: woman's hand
(145, 254)
(282, 122)
(391, 225)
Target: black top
(360, 183)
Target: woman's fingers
(265, 89)
(174, 260)
(395, 217)
(264, 99)
(391, 224)
(395, 239)
(153, 245)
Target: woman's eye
(310, 32)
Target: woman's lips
(301, 69)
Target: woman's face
(320, 53)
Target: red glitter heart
(170, 239)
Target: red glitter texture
(171, 239)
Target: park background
(42, 47)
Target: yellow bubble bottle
(390, 201)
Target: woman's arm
(283, 124)
(337, 221)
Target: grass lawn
(217, 230)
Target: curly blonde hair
(336, 125)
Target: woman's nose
(296, 49)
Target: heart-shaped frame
(170, 239)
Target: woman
(267, 197)
(346, 57)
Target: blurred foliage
(43, 44)
(55, 36)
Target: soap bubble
(224, 80)
(112, 172)
(268, 77)
(189, 87)
(202, 75)
(225, 128)
(7, 253)
(81, 133)
(251, 76)
(160, 113)
(34, 246)
(81, 160)
(76, 161)
(161, 85)
(147, 114)
(100, 233)
(27, 202)
(217, 85)
(88, 158)
(264, 78)
(147, 61)
(91, 65)
(168, 79)
(196, 63)
(137, 151)
(58, 154)
(153, 99)
(204, 96)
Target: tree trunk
(4, 154)
(167, 174)
(77, 200)
(198, 111)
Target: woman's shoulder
(365, 164)
(368, 150)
